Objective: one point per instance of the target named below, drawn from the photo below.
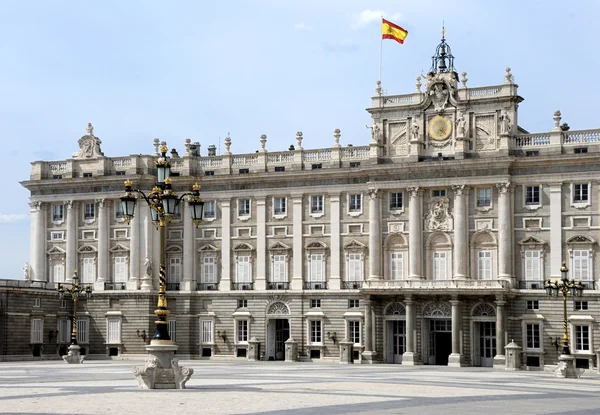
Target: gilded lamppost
(565, 287)
(163, 202)
(74, 356)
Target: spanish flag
(390, 30)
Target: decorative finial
(557, 118)
(227, 144)
(263, 142)
(418, 84)
(463, 80)
(90, 129)
(443, 30)
(188, 143)
(508, 77)
(336, 136)
(378, 89)
(196, 187)
(156, 144)
(299, 139)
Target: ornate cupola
(443, 60)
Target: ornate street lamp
(75, 291)
(163, 202)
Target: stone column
(103, 238)
(500, 358)
(148, 232)
(504, 231)
(72, 238)
(415, 234)
(133, 282)
(556, 253)
(225, 283)
(335, 257)
(460, 233)
(298, 249)
(456, 359)
(189, 238)
(410, 356)
(37, 240)
(261, 244)
(369, 352)
(374, 235)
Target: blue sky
(144, 69)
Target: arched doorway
(437, 332)
(484, 334)
(395, 332)
(278, 330)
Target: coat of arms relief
(439, 217)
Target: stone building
(427, 245)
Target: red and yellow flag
(390, 30)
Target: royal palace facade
(428, 245)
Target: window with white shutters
(439, 265)
(206, 331)
(533, 266)
(242, 331)
(64, 330)
(58, 273)
(243, 269)
(89, 270)
(121, 269)
(396, 265)
(355, 267)
(581, 265)
(484, 265)
(209, 269)
(114, 330)
(174, 274)
(37, 330)
(172, 329)
(279, 268)
(83, 332)
(317, 273)
(582, 338)
(316, 331)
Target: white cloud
(368, 16)
(302, 27)
(12, 217)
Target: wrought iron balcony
(242, 286)
(352, 285)
(172, 286)
(315, 285)
(531, 285)
(115, 286)
(278, 286)
(207, 286)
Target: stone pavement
(228, 387)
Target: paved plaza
(108, 387)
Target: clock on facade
(440, 127)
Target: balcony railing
(352, 285)
(115, 286)
(315, 285)
(207, 286)
(438, 284)
(172, 286)
(278, 286)
(242, 286)
(531, 285)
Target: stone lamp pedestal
(162, 370)
(74, 355)
(566, 367)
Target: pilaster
(133, 283)
(415, 234)
(556, 253)
(374, 235)
(335, 276)
(72, 238)
(225, 283)
(460, 232)
(504, 231)
(261, 244)
(37, 249)
(298, 248)
(189, 233)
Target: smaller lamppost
(74, 356)
(565, 287)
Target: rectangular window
(209, 173)
(580, 193)
(316, 332)
(396, 201)
(279, 207)
(119, 213)
(37, 302)
(57, 236)
(172, 329)
(582, 338)
(580, 150)
(316, 204)
(64, 330)
(317, 271)
(580, 305)
(315, 303)
(533, 335)
(244, 171)
(317, 166)
(532, 195)
(37, 330)
(243, 269)
(484, 265)
(354, 331)
(209, 270)
(89, 270)
(89, 211)
(57, 212)
(120, 269)
(279, 268)
(207, 331)
(581, 265)
(355, 204)
(439, 265)
(57, 176)
(87, 175)
(63, 303)
(210, 209)
(279, 169)
(353, 303)
(533, 266)
(355, 164)
(83, 332)
(533, 305)
(114, 330)
(438, 193)
(242, 303)
(396, 265)
(243, 207)
(120, 173)
(242, 331)
(58, 273)
(174, 270)
(355, 267)
(484, 197)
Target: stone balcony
(446, 287)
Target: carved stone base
(566, 367)
(411, 359)
(162, 370)
(500, 361)
(368, 357)
(146, 283)
(456, 360)
(73, 356)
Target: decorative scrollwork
(437, 310)
(278, 308)
(484, 310)
(395, 309)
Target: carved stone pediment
(439, 217)
(119, 248)
(243, 247)
(87, 249)
(278, 246)
(532, 240)
(208, 248)
(55, 250)
(89, 145)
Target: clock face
(440, 128)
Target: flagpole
(381, 54)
